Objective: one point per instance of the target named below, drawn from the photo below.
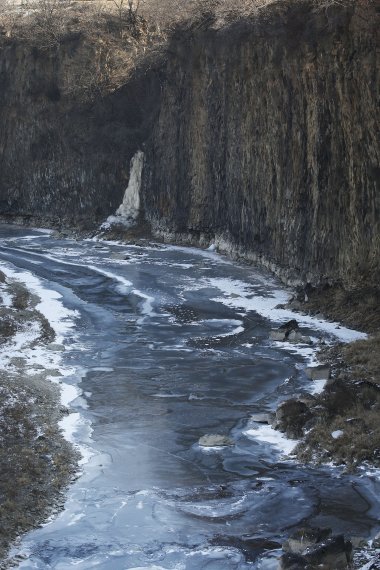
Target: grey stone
(54, 372)
(291, 561)
(334, 553)
(262, 418)
(118, 255)
(305, 538)
(215, 440)
(320, 372)
(20, 361)
(295, 336)
(277, 335)
(337, 434)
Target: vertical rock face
(266, 140)
(262, 137)
(65, 158)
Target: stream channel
(170, 344)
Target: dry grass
(363, 359)
(359, 442)
(351, 404)
(358, 308)
(123, 35)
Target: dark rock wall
(262, 137)
(64, 152)
(267, 141)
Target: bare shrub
(119, 36)
(45, 24)
(10, 16)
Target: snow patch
(62, 320)
(238, 294)
(275, 438)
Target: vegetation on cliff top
(121, 35)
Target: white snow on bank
(216, 325)
(308, 352)
(239, 295)
(5, 297)
(275, 438)
(39, 357)
(317, 386)
(124, 287)
(60, 318)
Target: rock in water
(289, 332)
(262, 418)
(305, 538)
(334, 553)
(277, 335)
(215, 440)
(289, 326)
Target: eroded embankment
(37, 463)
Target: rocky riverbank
(339, 420)
(37, 463)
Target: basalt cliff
(260, 136)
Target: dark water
(165, 353)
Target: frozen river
(170, 344)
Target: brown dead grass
(363, 359)
(357, 308)
(121, 36)
(350, 403)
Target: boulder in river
(289, 326)
(277, 335)
(290, 332)
(262, 418)
(305, 538)
(215, 440)
(334, 553)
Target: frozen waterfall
(128, 211)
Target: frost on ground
(36, 461)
